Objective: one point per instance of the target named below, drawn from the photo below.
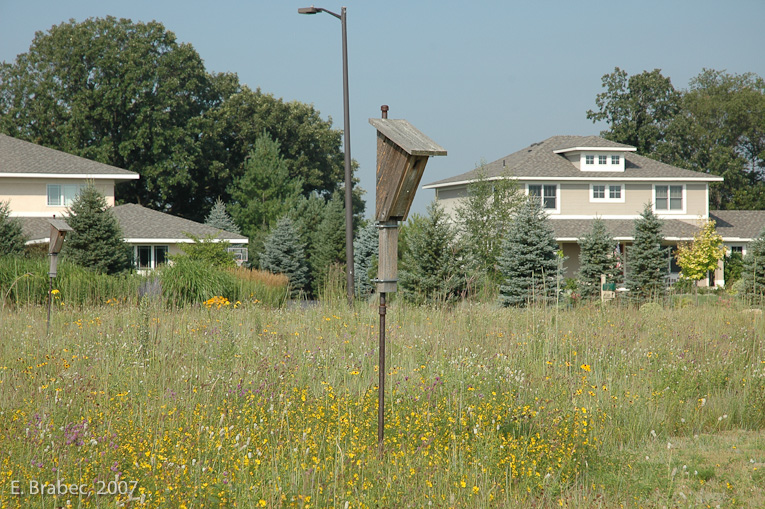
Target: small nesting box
(402, 153)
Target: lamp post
(347, 149)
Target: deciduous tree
(701, 256)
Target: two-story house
(40, 183)
(580, 178)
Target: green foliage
(265, 192)
(208, 249)
(366, 249)
(128, 94)
(219, 218)
(701, 256)
(753, 271)
(12, 237)
(597, 256)
(733, 265)
(283, 254)
(430, 270)
(484, 219)
(647, 262)
(96, 242)
(192, 281)
(328, 243)
(717, 126)
(638, 109)
(24, 281)
(529, 263)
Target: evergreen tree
(430, 269)
(365, 253)
(484, 218)
(647, 262)
(328, 243)
(306, 216)
(219, 218)
(753, 271)
(96, 242)
(529, 263)
(596, 257)
(264, 193)
(283, 254)
(12, 237)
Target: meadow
(238, 404)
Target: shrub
(190, 281)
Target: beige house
(40, 183)
(580, 178)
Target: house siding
(29, 196)
(450, 198)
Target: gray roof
(413, 141)
(23, 157)
(539, 160)
(620, 229)
(140, 223)
(738, 224)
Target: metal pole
(50, 289)
(381, 384)
(348, 174)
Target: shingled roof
(141, 225)
(22, 158)
(539, 161)
(741, 225)
(620, 229)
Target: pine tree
(283, 254)
(219, 218)
(328, 243)
(306, 216)
(96, 242)
(12, 237)
(430, 269)
(647, 262)
(365, 253)
(264, 193)
(753, 271)
(597, 256)
(529, 263)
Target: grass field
(246, 406)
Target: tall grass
(485, 407)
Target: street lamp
(347, 149)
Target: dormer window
(602, 159)
(589, 159)
(615, 159)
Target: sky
(482, 79)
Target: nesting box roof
(60, 225)
(413, 141)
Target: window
(548, 194)
(150, 257)
(615, 160)
(737, 249)
(63, 194)
(615, 192)
(669, 198)
(598, 192)
(602, 159)
(589, 159)
(607, 192)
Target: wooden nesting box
(402, 153)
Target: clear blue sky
(483, 79)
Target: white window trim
(61, 196)
(667, 211)
(556, 210)
(607, 198)
(152, 255)
(596, 166)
